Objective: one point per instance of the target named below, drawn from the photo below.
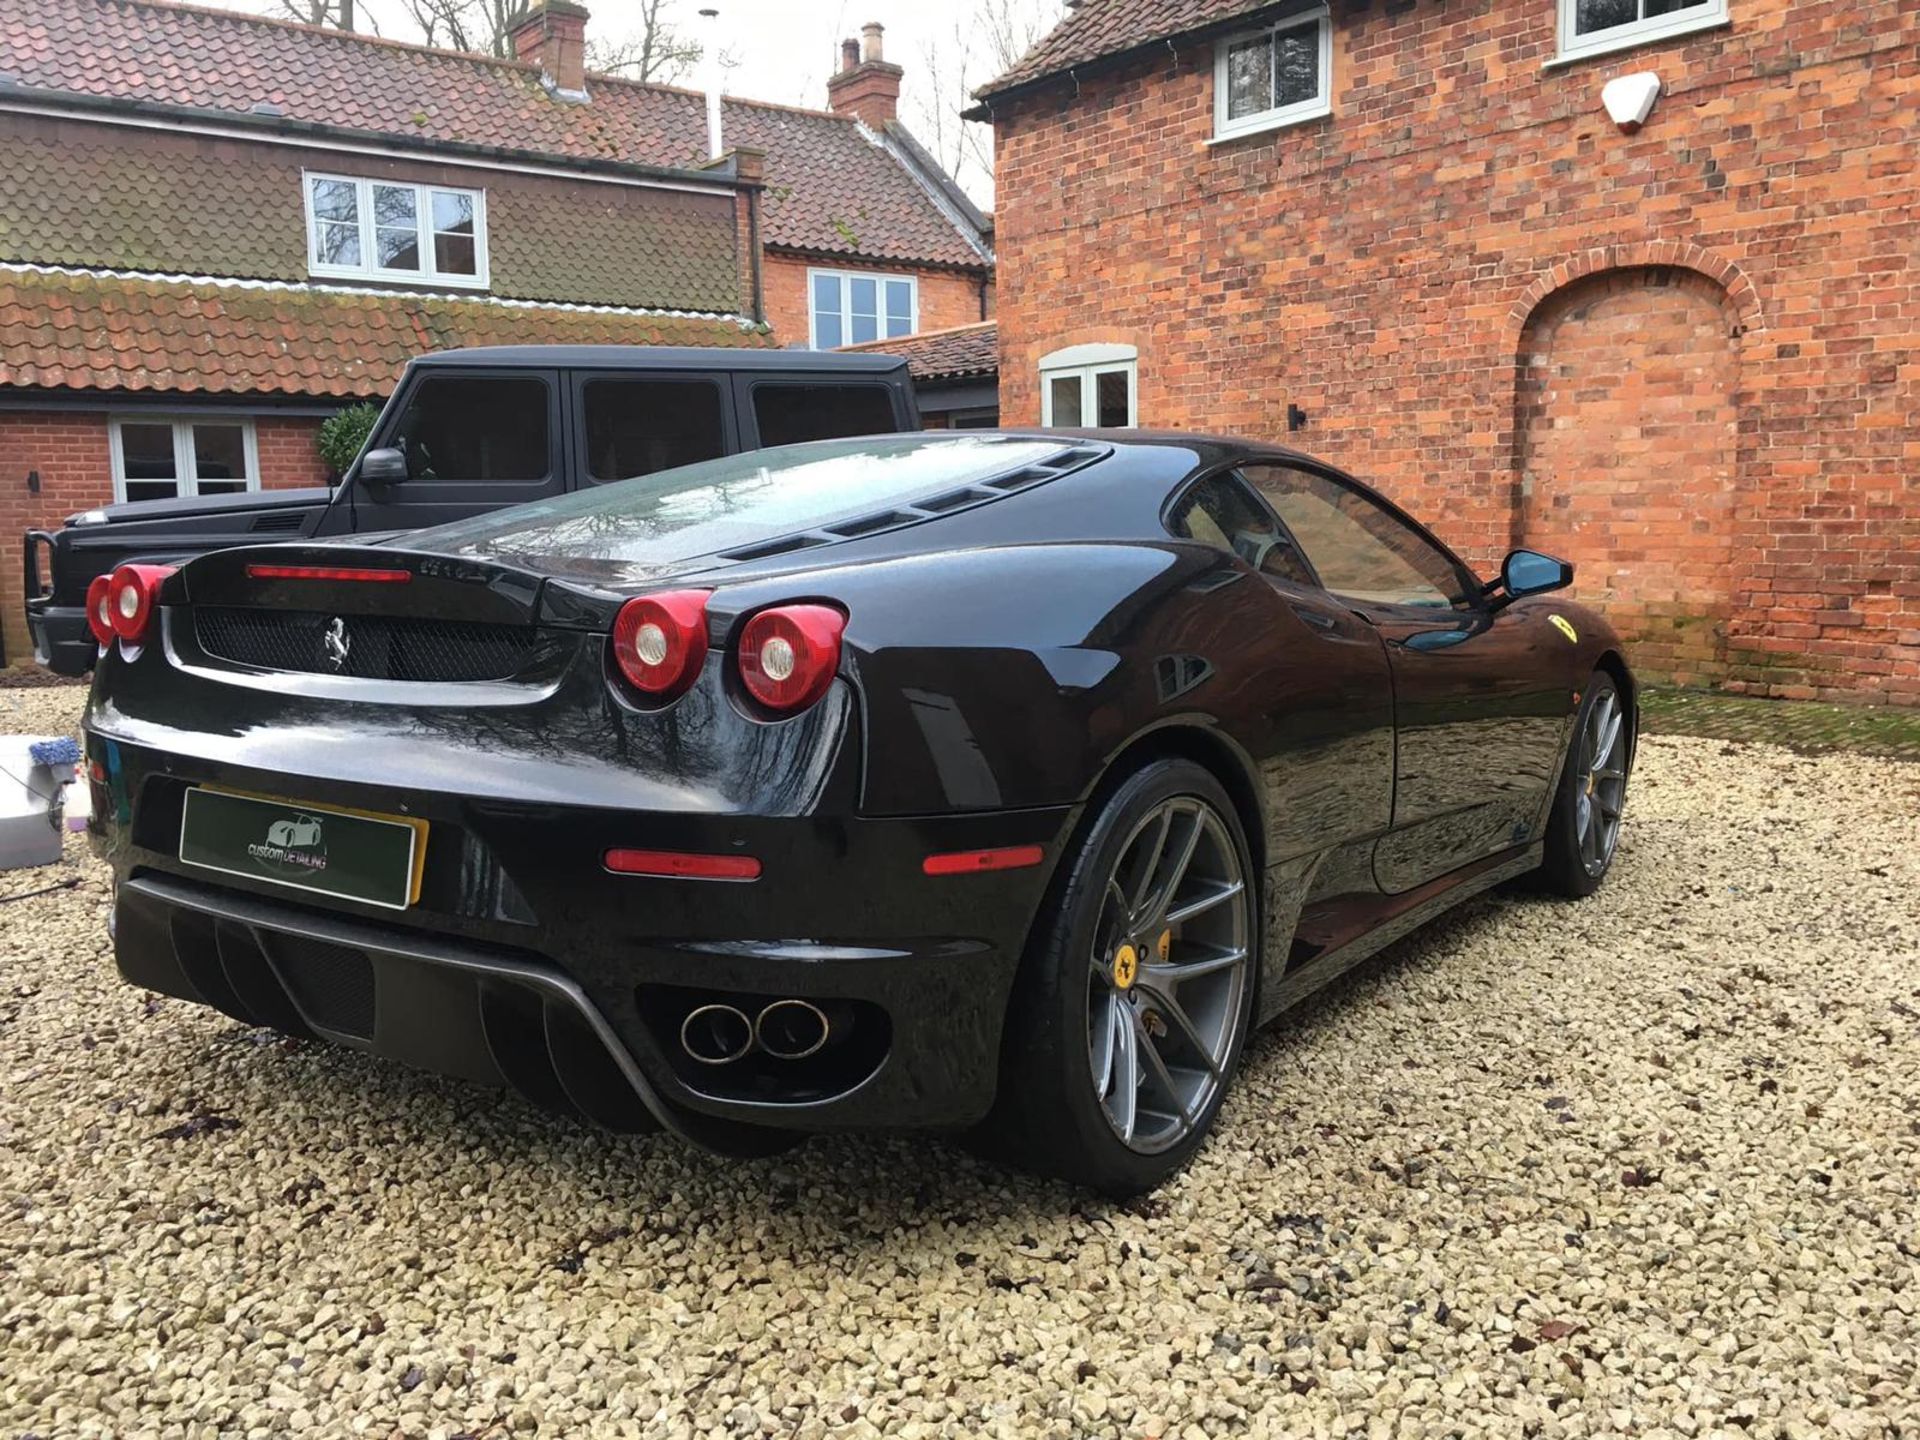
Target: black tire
(1049, 1116)
(1575, 865)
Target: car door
(776, 410)
(1324, 693)
(474, 440)
(1479, 703)
(627, 423)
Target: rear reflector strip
(682, 865)
(328, 572)
(970, 862)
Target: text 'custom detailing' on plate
(371, 858)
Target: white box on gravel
(30, 832)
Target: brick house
(217, 229)
(1414, 239)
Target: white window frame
(1089, 362)
(1644, 31)
(423, 223)
(1283, 115)
(881, 277)
(186, 482)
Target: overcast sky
(784, 50)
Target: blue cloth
(64, 751)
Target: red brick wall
(69, 449)
(1389, 269)
(947, 298)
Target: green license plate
(375, 859)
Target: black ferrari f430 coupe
(984, 782)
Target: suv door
(475, 440)
(1478, 715)
(627, 423)
(778, 411)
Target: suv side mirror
(383, 467)
(1528, 572)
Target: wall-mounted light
(1296, 417)
(33, 482)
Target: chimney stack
(867, 87)
(553, 35)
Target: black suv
(474, 430)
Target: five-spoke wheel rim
(1602, 778)
(1166, 987)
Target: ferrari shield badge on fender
(1565, 627)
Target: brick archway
(1627, 435)
(1641, 255)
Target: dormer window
(361, 229)
(1279, 75)
(1594, 27)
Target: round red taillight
(660, 641)
(100, 609)
(788, 655)
(130, 594)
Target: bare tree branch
(986, 40)
(658, 51)
(336, 14)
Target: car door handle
(1315, 617)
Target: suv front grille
(365, 647)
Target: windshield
(653, 524)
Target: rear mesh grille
(376, 647)
(332, 985)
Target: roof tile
(944, 354)
(100, 333)
(1098, 28)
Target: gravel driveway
(1645, 1164)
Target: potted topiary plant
(341, 436)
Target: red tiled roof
(944, 354)
(1095, 29)
(830, 188)
(87, 332)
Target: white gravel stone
(1640, 1165)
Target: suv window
(1360, 551)
(475, 427)
(1220, 511)
(788, 414)
(635, 427)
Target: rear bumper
(527, 965)
(61, 640)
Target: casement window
(1593, 27)
(1279, 75)
(1090, 386)
(164, 459)
(380, 230)
(849, 308)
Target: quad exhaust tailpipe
(791, 1029)
(716, 1034)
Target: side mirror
(1528, 572)
(383, 467)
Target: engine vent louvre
(766, 549)
(283, 523)
(946, 503)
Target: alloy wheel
(1603, 785)
(1168, 974)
